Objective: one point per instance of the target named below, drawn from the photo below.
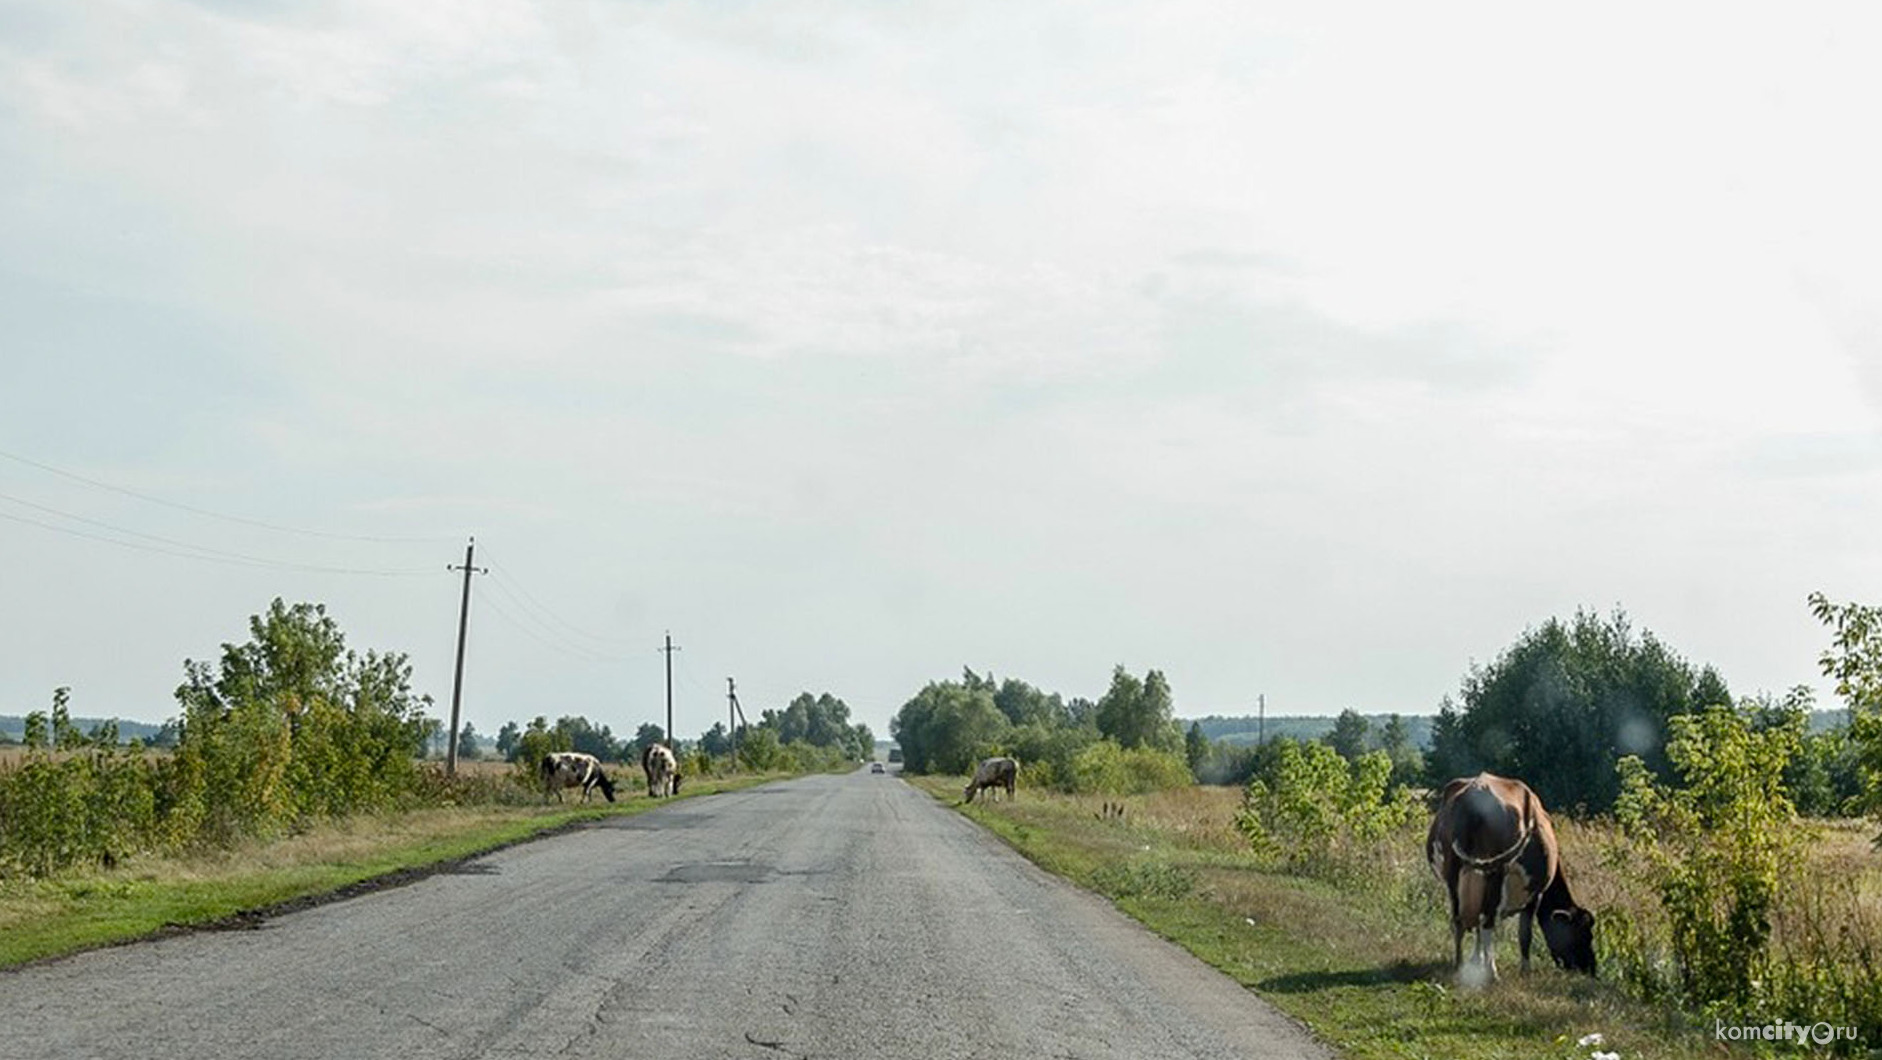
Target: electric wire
(198, 552)
(535, 634)
(541, 611)
(192, 509)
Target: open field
(144, 896)
(1364, 960)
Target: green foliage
(1854, 659)
(1195, 747)
(1712, 851)
(467, 743)
(760, 751)
(948, 727)
(1351, 735)
(1139, 713)
(1046, 752)
(1104, 768)
(717, 742)
(533, 744)
(291, 726)
(821, 721)
(88, 803)
(1563, 704)
(1306, 804)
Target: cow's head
(606, 786)
(967, 793)
(676, 783)
(1570, 934)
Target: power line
(539, 610)
(197, 552)
(538, 632)
(75, 477)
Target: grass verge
(235, 888)
(1363, 961)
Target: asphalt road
(831, 916)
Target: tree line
(810, 732)
(1127, 740)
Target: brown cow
(1493, 846)
(993, 773)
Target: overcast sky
(1314, 353)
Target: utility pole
(669, 650)
(738, 713)
(1261, 720)
(457, 683)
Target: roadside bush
(1711, 852)
(760, 752)
(1308, 805)
(285, 728)
(81, 801)
(1104, 768)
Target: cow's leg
(1457, 920)
(1524, 924)
(1486, 933)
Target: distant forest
(13, 728)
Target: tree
(467, 743)
(291, 725)
(1351, 735)
(582, 736)
(1854, 660)
(716, 742)
(1139, 713)
(646, 736)
(506, 740)
(1195, 746)
(1562, 705)
(947, 727)
(1408, 762)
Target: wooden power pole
(457, 683)
(668, 651)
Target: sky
(1304, 351)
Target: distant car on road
(876, 767)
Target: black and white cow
(568, 769)
(663, 772)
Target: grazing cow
(1493, 846)
(663, 773)
(567, 769)
(993, 773)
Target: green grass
(1363, 961)
(77, 911)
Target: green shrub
(1307, 804)
(1104, 768)
(1712, 851)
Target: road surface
(830, 916)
